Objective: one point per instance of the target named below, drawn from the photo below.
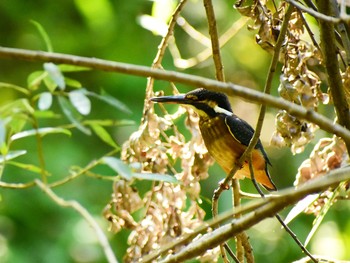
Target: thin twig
(215, 45)
(82, 170)
(158, 60)
(236, 200)
(187, 79)
(86, 215)
(289, 231)
(230, 252)
(314, 13)
(295, 238)
(17, 185)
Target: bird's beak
(176, 99)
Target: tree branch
(194, 81)
(267, 207)
(328, 44)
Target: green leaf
(50, 83)
(105, 97)
(103, 135)
(14, 87)
(72, 83)
(156, 177)
(72, 114)
(97, 14)
(35, 79)
(163, 10)
(80, 102)
(55, 74)
(43, 34)
(72, 68)
(18, 112)
(110, 122)
(46, 114)
(12, 155)
(327, 205)
(41, 132)
(45, 101)
(119, 167)
(300, 207)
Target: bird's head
(205, 102)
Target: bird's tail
(261, 176)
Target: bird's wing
(243, 132)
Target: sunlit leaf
(50, 83)
(97, 13)
(300, 207)
(41, 132)
(103, 135)
(12, 155)
(72, 68)
(119, 167)
(16, 114)
(318, 220)
(45, 101)
(46, 114)
(110, 100)
(29, 167)
(43, 34)
(80, 102)
(163, 10)
(35, 79)
(55, 74)
(72, 114)
(155, 177)
(110, 122)
(19, 112)
(14, 87)
(72, 83)
(153, 24)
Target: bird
(225, 135)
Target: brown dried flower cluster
(299, 83)
(328, 154)
(168, 210)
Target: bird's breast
(223, 147)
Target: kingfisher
(225, 135)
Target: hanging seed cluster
(299, 80)
(168, 210)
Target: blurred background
(32, 227)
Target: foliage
(57, 131)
